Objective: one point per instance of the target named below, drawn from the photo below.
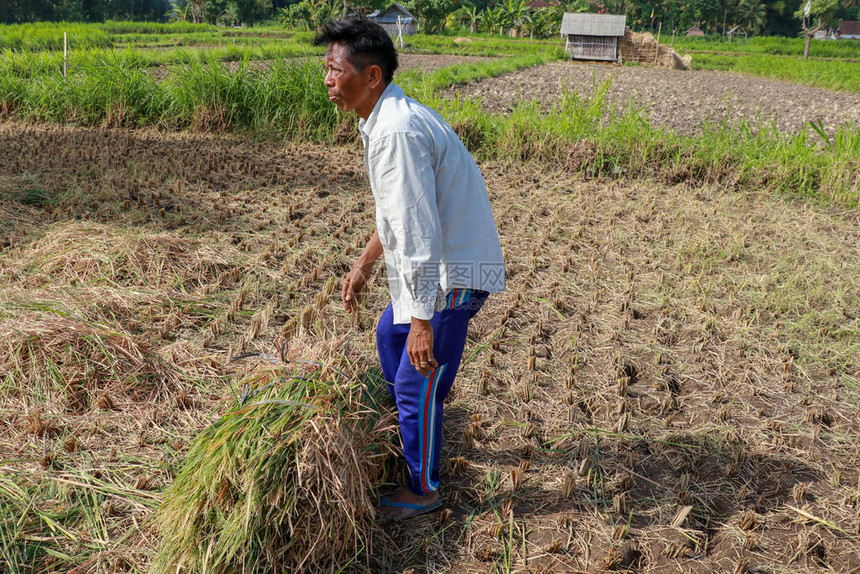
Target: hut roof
(593, 24)
(736, 30)
(391, 13)
(695, 30)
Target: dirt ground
(669, 384)
(675, 99)
(430, 62)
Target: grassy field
(142, 35)
(670, 381)
(49, 35)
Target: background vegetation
(769, 17)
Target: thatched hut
(694, 31)
(737, 31)
(592, 36)
(396, 20)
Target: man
(434, 226)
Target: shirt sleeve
(401, 167)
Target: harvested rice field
(678, 100)
(671, 382)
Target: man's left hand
(419, 346)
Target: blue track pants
(418, 398)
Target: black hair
(367, 43)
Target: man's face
(347, 88)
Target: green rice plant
(13, 92)
(115, 88)
(475, 127)
(759, 156)
(203, 39)
(528, 132)
(49, 36)
(289, 98)
(34, 64)
(110, 92)
(127, 27)
(215, 37)
(293, 100)
(281, 481)
(209, 97)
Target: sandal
(417, 509)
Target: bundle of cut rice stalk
(280, 483)
(74, 363)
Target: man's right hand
(355, 281)
(353, 287)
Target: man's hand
(353, 287)
(419, 346)
(356, 279)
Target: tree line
(504, 17)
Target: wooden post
(65, 53)
(657, 49)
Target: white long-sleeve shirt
(433, 213)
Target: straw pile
(280, 482)
(85, 252)
(75, 363)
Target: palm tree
(753, 13)
(185, 10)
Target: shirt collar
(365, 127)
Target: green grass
(289, 98)
(35, 64)
(49, 36)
